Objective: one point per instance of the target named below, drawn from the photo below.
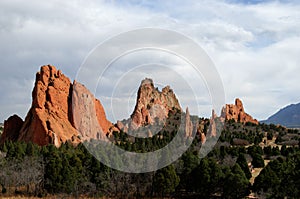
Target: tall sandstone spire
(188, 124)
(152, 104)
(50, 119)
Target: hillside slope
(288, 116)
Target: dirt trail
(257, 172)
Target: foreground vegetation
(31, 170)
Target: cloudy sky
(253, 44)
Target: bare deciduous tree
(28, 172)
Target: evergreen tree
(201, 178)
(190, 162)
(267, 181)
(216, 177)
(258, 161)
(165, 181)
(241, 160)
(236, 184)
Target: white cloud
(255, 47)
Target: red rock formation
(152, 104)
(188, 124)
(11, 129)
(212, 131)
(85, 113)
(122, 127)
(203, 138)
(101, 116)
(200, 131)
(50, 119)
(237, 113)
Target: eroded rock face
(101, 117)
(237, 113)
(48, 119)
(120, 126)
(152, 104)
(212, 131)
(11, 129)
(203, 138)
(85, 113)
(188, 124)
(51, 120)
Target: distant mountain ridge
(288, 116)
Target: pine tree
(258, 161)
(236, 184)
(241, 160)
(201, 178)
(165, 180)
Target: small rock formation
(188, 124)
(51, 120)
(212, 131)
(237, 113)
(119, 125)
(149, 134)
(201, 131)
(203, 138)
(12, 128)
(152, 104)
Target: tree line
(33, 170)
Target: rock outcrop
(237, 113)
(188, 124)
(212, 131)
(48, 119)
(12, 127)
(122, 126)
(101, 117)
(152, 104)
(51, 120)
(202, 138)
(84, 113)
